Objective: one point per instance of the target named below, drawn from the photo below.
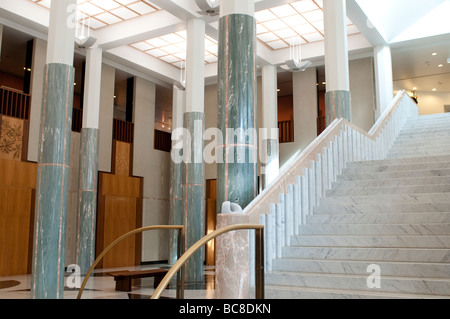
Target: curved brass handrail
(259, 256)
(131, 233)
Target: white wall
(305, 113)
(37, 91)
(432, 102)
(154, 167)
(362, 91)
(106, 118)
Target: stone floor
(102, 286)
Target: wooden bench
(123, 278)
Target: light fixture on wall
(208, 7)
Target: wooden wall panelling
(119, 211)
(3, 241)
(120, 218)
(17, 196)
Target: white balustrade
(284, 205)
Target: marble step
(419, 148)
(418, 154)
(373, 229)
(387, 199)
(387, 218)
(403, 269)
(283, 292)
(420, 189)
(371, 241)
(421, 143)
(424, 130)
(430, 117)
(420, 140)
(433, 255)
(430, 125)
(388, 162)
(425, 122)
(396, 168)
(432, 286)
(382, 208)
(391, 175)
(393, 182)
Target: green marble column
(52, 183)
(193, 188)
(176, 207)
(236, 170)
(87, 198)
(337, 105)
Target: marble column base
(52, 183)
(232, 259)
(337, 105)
(87, 198)
(193, 188)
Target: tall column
(269, 140)
(87, 194)
(236, 170)
(384, 81)
(337, 98)
(176, 190)
(54, 156)
(193, 179)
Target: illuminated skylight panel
(124, 13)
(101, 13)
(278, 27)
(108, 18)
(171, 48)
(284, 11)
(300, 21)
(278, 44)
(305, 6)
(142, 46)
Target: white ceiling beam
(362, 22)
(144, 63)
(138, 29)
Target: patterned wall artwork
(11, 138)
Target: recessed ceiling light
(434, 53)
(440, 65)
(434, 89)
(414, 88)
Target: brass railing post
(179, 265)
(181, 272)
(259, 263)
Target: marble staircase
(393, 213)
